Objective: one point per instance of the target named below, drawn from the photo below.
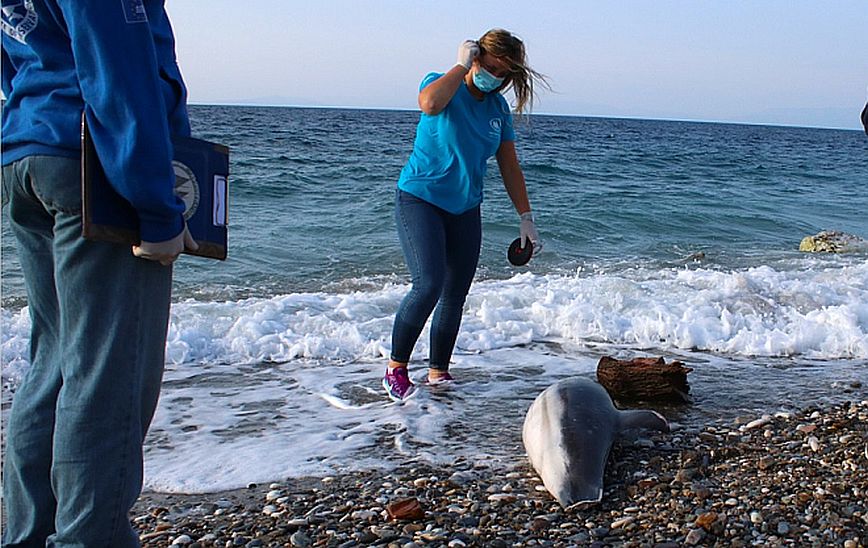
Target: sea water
(661, 238)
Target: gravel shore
(787, 479)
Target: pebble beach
(784, 479)
(678, 240)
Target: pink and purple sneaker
(442, 378)
(397, 383)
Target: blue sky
(779, 62)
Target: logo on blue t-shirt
(495, 124)
(19, 19)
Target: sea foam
(813, 313)
(263, 389)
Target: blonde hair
(505, 45)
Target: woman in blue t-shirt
(465, 120)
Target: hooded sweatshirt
(115, 62)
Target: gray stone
(580, 538)
(694, 537)
(599, 532)
(299, 539)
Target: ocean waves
(265, 388)
(814, 313)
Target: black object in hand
(517, 255)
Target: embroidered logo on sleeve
(134, 11)
(19, 18)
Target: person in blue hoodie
(465, 121)
(99, 311)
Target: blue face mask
(485, 81)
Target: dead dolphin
(568, 432)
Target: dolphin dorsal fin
(643, 418)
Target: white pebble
(366, 515)
(814, 443)
(273, 495)
(762, 421)
(461, 478)
(756, 517)
(619, 523)
(269, 509)
(182, 540)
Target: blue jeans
(442, 251)
(99, 317)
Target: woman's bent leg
(423, 240)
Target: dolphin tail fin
(643, 418)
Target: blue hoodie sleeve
(122, 85)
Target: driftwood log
(644, 379)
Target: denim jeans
(78, 420)
(442, 251)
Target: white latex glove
(166, 252)
(527, 231)
(467, 52)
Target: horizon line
(561, 115)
